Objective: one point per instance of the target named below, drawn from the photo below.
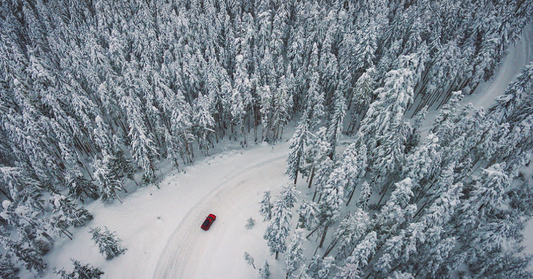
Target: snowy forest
(93, 92)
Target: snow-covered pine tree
(79, 188)
(8, 270)
(354, 163)
(179, 136)
(241, 98)
(315, 101)
(107, 241)
(319, 159)
(363, 94)
(80, 271)
(249, 259)
(122, 167)
(349, 232)
(448, 115)
(294, 256)
(266, 206)
(264, 270)
(108, 183)
(24, 253)
(397, 210)
(335, 125)
(328, 263)
(423, 164)
(308, 215)
(279, 227)
(75, 215)
(103, 136)
(364, 196)
(203, 124)
(361, 255)
(332, 198)
(487, 225)
(144, 150)
(383, 128)
(515, 94)
(296, 148)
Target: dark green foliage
(7, 269)
(80, 187)
(80, 271)
(24, 253)
(122, 167)
(108, 242)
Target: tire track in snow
(188, 244)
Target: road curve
(188, 249)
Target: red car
(208, 222)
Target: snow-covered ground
(485, 94)
(161, 227)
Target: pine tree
(102, 136)
(315, 101)
(319, 159)
(325, 268)
(266, 206)
(364, 251)
(279, 227)
(383, 128)
(108, 182)
(424, 163)
(296, 149)
(8, 270)
(108, 242)
(332, 197)
(249, 259)
(264, 271)
(80, 272)
(144, 150)
(354, 164)
(204, 124)
(397, 210)
(350, 230)
(294, 257)
(336, 125)
(241, 98)
(77, 216)
(79, 187)
(24, 253)
(514, 96)
(308, 215)
(364, 197)
(361, 98)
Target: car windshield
(206, 222)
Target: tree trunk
(351, 196)
(314, 195)
(311, 179)
(311, 233)
(330, 247)
(323, 237)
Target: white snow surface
(161, 227)
(520, 54)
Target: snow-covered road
(218, 253)
(161, 227)
(193, 253)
